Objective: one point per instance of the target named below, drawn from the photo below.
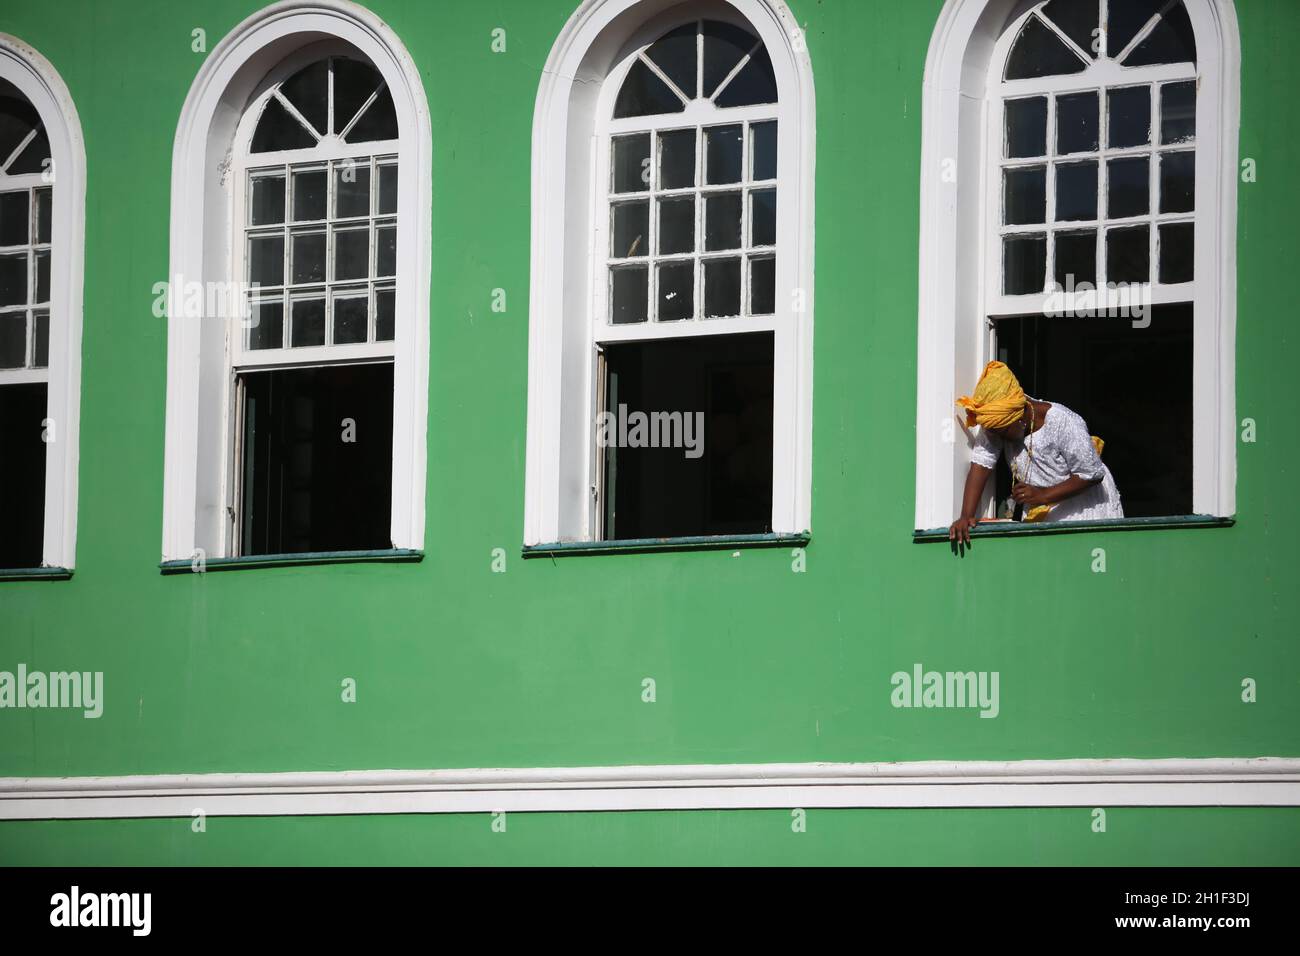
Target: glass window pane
(1077, 123)
(1024, 264)
(41, 347)
(676, 53)
(1177, 248)
(723, 148)
(1129, 112)
(308, 322)
(628, 294)
(351, 254)
(13, 339)
(44, 211)
(386, 250)
(724, 46)
(631, 163)
(1076, 259)
(351, 319)
(266, 260)
(308, 257)
(676, 291)
(763, 217)
(378, 122)
(1126, 19)
(309, 191)
(722, 222)
(1076, 191)
(13, 279)
(266, 324)
(630, 232)
(17, 118)
(277, 129)
(721, 288)
(762, 286)
(42, 277)
(1077, 19)
(754, 84)
(385, 314)
(1026, 123)
(388, 189)
(1040, 52)
(1178, 112)
(1128, 254)
(308, 91)
(1129, 187)
(677, 225)
(677, 159)
(266, 203)
(14, 217)
(644, 94)
(354, 82)
(1171, 41)
(33, 159)
(1025, 196)
(763, 151)
(351, 190)
(1177, 182)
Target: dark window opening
(22, 475)
(1133, 386)
(722, 482)
(317, 459)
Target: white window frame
(206, 246)
(38, 80)
(572, 125)
(960, 273)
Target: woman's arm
(1031, 496)
(976, 479)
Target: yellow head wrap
(998, 401)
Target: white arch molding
(951, 343)
(561, 372)
(38, 80)
(202, 215)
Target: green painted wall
(542, 666)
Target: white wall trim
(1226, 782)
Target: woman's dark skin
(1028, 495)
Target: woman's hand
(959, 531)
(1031, 496)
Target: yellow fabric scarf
(998, 401)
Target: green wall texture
(542, 666)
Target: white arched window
(672, 237)
(1078, 222)
(296, 412)
(42, 224)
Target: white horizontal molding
(1228, 782)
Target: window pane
(677, 159)
(1039, 52)
(386, 250)
(385, 314)
(1076, 191)
(1177, 182)
(41, 347)
(1177, 112)
(1177, 247)
(1128, 255)
(763, 217)
(676, 291)
(1024, 264)
(351, 190)
(644, 94)
(724, 46)
(762, 286)
(1077, 123)
(631, 163)
(1171, 41)
(721, 288)
(13, 339)
(33, 159)
(308, 322)
(351, 254)
(351, 319)
(675, 54)
(1077, 19)
(308, 257)
(388, 189)
(309, 190)
(42, 277)
(631, 230)
(266, 324)
(628, 294)
(354, 82)
(1126, 19)
(763, 149)
(1130, 187)
(1076, 259)
(378, 122)
(17, 118)
(13, 279)
(308, 91)
(676, 225)
(1026, 122)
(266, 260)
(754, 84)
(14, 217)
(1025, 196)
(722, 222)
(1130, 116)
(723, 147)
(266, 205)
(44, 209)
(277, 129)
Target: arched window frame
(199, 412)
(579, 82)
(36, 78)
(960, 107)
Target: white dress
(1061, 447)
